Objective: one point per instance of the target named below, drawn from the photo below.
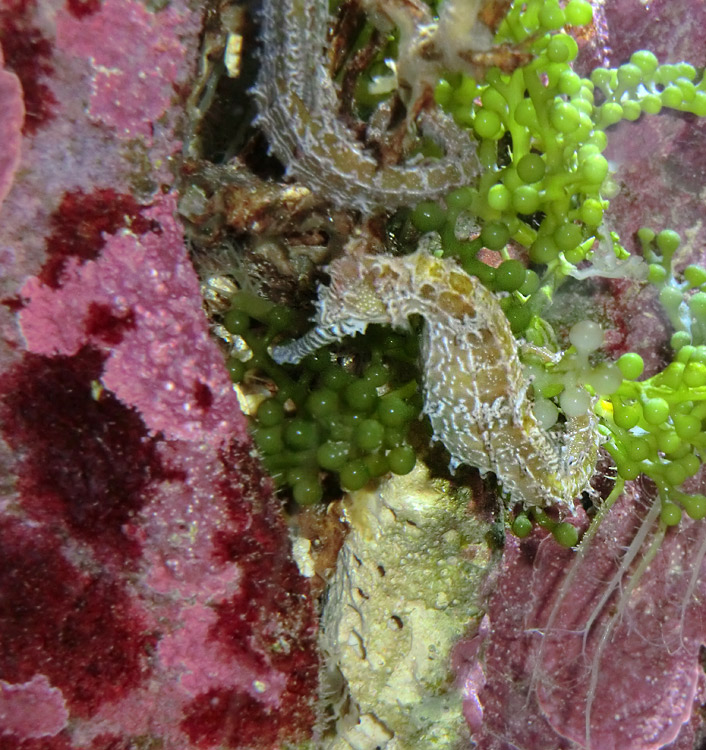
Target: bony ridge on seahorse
(475, 388)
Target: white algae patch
(404, 591)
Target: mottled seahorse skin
(298, 105)
(475, 389)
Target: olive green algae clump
(404, 591)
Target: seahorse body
(298, 106)
(475, 389)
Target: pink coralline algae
(148, 596)
(552, 657)
(140, 301)
(134, 56)
(11, 119)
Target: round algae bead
(487, 124)
(354, 475)
(656, 410)
(645, 60)
(586, 336)
(578, 12)
(333, 454)
(531, 168)
(669, 442)
(631, 365)
(686, 426)
(495, 235)
(322, 403)
(551, 15)
(270, 412)
(695, 506)
(546, 412)
(307, 491)
(605, 379)
(525, 199)
(668, 241)
(695, 275)
(301, 434)
(369, 434)
(361, 395)
(564, 117)
(522, 526)
(626, 416)
(638, 449)
(695, 374)
(509, 275)
(543, 250)
(236, 321)
(392, 411)
(595, 169)
(592, 212)
(566, 534)
(499, 197)
(402, 459)
(670, 514)
(567, 236)
(428, 216)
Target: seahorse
(297, 109)
(475, 389)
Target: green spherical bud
(307, 491)
(671, 96)
(487, 124)
(668, 241)
(564, 117)
(509, 275)
(558, 50)
(525, 199)
(691, 464)
(236, 321)
(443, 92)
(651, 104)
(322, 403)
(335, 378)
(377, 464)
(518, 316)
(551, 15)
(333, 454)
(499, 197)
(679, 340)
(628, 470)
(695, 375)
(525, 113)
(460, 198)
(670, 514)
(595, 169)
(631, 365)
(236, 369)
(280, 319)
(638, 449)
(369, 434)
(377, 374)
(645, 60)
(566, 534)
(354, 475)
(269, 439)
(592, 212)
(401, 459)
(530, 283)
(318, 361)
(626, 415)
(300, 434)
(361, 395)
(495, 235)
(656, 411)
(521, 526)
(567, 236)
(428, 216)
(578, 12)
(629, 75)
(270, 413)
(392, 411)
(610, 113)
(672, 375)
(675, 474)
(686, 426)
(605, 379)
(569, 83)
(668, 441)
(695, 275)
(531, 168)
(695, 506)
(543, 250)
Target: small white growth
(587, 336)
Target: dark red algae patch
(28, 54)
(85, 461)
(76, 628)
(78, 224)
(60, 742)
(101, 322)
(269, 622)
(83, 8)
